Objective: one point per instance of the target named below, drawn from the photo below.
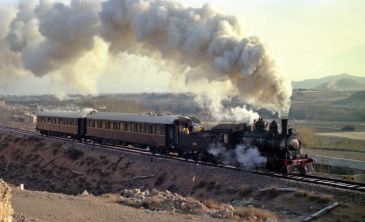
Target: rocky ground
(6, 210)
(45, 164)
(51, 207)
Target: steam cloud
(77, 41)
(248, 157)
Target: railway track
(336, 183)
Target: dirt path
(51, 207)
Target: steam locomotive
(168, 134)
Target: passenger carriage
(158, 132)
(61, 123)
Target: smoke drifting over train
(248, 157)
(77, 41)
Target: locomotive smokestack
(284, 126)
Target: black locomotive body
(168, 134)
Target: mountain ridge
(342, 81)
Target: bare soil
(51, 207)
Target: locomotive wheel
(302, 170)
(186, 155)
(153, 150)
(284, 171)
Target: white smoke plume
(207, 47)
(247, 156)
(10, 62)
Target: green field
(326, 138)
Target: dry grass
(320, 198)
(254, 214)
(152, 202)
(272, 191)
(308, 136)
(244, 190)
(161, 179)
(212, 204)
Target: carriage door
(170, 135)
(81, 127)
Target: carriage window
(100, 124)
(143, 128)
(115, 126)
(108, 125)
(121, 126)
(151, 129)
(162, 130)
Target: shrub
(160, 179)
(173, 188)
(320, 198)
(212, 204)
(348, 128)
(74, 154)
(201, 184)
(151, 203)
(255, 214)
(244, 190)
(211, 185)
(231, 190)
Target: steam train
(167, 134)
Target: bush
(74, 154)
(244, 190)
(160, 179)
(320, 198)
(348, 128)
(212, 204)
(255, 214)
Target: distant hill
(356, 99)
(332, 83)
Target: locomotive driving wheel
(302, 170)
(284, 171)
